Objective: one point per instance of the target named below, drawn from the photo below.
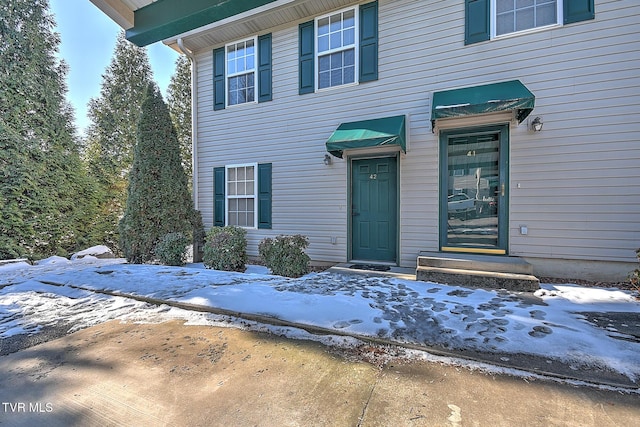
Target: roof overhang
(387, 131)
(121, 11)
(149, 21)
(485, 99)
(166, 18)
(203, 24)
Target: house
(385, 129)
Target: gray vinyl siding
(575, 185)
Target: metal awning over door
(386, 131)
(490, 98)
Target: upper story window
(512, 16)
(336, 49)
(241, 72)
(339, 48)
(486, 19)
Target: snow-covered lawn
(548, 323)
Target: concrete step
(478, 278)
(498, 264)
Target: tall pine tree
(158, 198)
(46, 194)
(179, 101)
(111, 135)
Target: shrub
(226, 249)
(172, 249)
(285, 255)
(634, 277)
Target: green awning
(368, 133)
(491, 98)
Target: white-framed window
(336, 48)
(240, 63)
(514, 16)
(241, 195)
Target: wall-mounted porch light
(536, 124)
(327, 159)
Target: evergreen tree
(46, 193)
(111, 135)
(18, 182)
(179, 100)
(158, 198)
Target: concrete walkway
(172, 374)
(421, 325)
(511, 330)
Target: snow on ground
(550, 323)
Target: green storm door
(374, 209)
(473, 190)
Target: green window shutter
(306, 60)
(477, 21)
(218, 79)
(578, 10)
(218, 196)
(369, 42)
(264, 68)
(264, 195)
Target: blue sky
(88, 40)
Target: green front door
(374, 209)
(473, 190)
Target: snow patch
(547, 324)
(99, 251)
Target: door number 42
(373, 176)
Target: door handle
(502, 190)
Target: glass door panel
(474, 191)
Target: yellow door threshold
(474, 250)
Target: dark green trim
(218, 79)
(306, 61)
(578, 10)
(264, 195)
(264, 68)
(219, 185)
(368, 42)
(168, 18)
(477, 21)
